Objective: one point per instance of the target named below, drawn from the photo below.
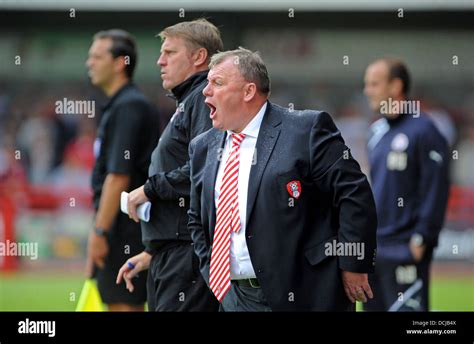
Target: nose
(366, 90)
(161, 61)
(207, 90)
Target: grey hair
(250, 65)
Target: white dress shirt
(240, 264)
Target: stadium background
(316, 59)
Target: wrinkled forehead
(226, 69)
(173, 42)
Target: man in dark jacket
(126, 137)
(174, 281)
(281, 216)
(409, 169)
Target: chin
(375, 108)
(168, 85)
(217, 125)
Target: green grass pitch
(60, 292)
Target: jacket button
(260, 270)
(249, 236)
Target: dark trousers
(121, 235)
(400, 287)
(175, 283)
(244, 299)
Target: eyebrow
(167, 50)
(213, 77)
(216, 74)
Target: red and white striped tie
(228, 219)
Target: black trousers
(175, 283)
(400, 287)
(244, 299)
(124, 242)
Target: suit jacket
(290, 232)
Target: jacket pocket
(317, 253)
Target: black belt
(248, 282)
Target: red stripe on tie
(228, 219)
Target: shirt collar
(117, 94)
(252, 129)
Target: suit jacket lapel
(214, 154)
(267, 138)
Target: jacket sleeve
(433, 188)
(194, 219)
(175, 184)
(169, 185)
(337, 174)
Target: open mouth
(213, 109)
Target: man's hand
(417, 251)
(135, 198)
(132, 267)
(97, 249)
(356, 286)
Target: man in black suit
(281, 216)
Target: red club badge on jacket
(294, 188)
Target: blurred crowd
(40, 147)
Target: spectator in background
(463, 166)
(75, 170)
(13, 177)
(35, 141)
(409, 168)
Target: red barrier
(461, 205)
(42, 198)
(7, 232)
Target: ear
(200, 57)
(119, 64)
(249, 91)
(396, 87)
